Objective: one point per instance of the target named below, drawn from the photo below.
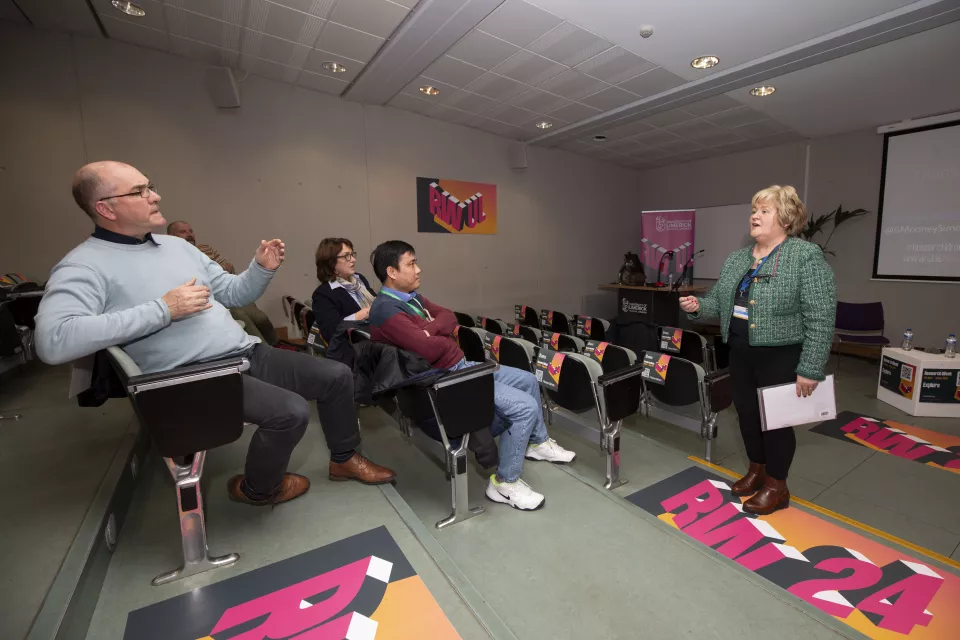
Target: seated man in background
(255, 321)
(165, 303)
(402, 317)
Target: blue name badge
(740, 312)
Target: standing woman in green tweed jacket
(776, 302)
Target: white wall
(294, 164)
(844, 169)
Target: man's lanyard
(417, 308)
(753, 274)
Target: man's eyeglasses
(352, 255)
(143, 192)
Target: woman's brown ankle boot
(749, 483)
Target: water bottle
(950, 350)
(907, 340)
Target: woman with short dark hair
(343, 293)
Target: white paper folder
(780, 407)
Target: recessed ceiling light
(764, 91)
(430, 91)
(334, 67)
(544, 124)
(129, 8)
(705, 62)
(599, 138)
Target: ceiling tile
(409, 103)
(231, 11)
(574, 112)
(650, 153)
(135, 34)
(528, 68)
(573, 85)
(628, 129)
(575, 145)
(318, 8)
(283, 22)
(693, 128)
(656, 137)
(153, 19)
(470, 102)
(497, 87)
(315, 60)
(735, 117)
(652, 82)
(482, 49)
(568, 44)
(715, 104)
(782, 138)
(202, 29)
(347, 42)
(760, 129)
(452, 71)
(681, 146)
(609, 98)
(268, 69)
(378, 17)
(615, 65)
(600, 153)
(197, 51)
(539, 100)
(499, 128)
(531, 125)
(518, 22)
(260, 45)
(718, 138)
(700, 155)
(409, 4)
(667, 118)
(413, 89)
(623, 146)
(449, 114)
(323, 83)
(510, 114)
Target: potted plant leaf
(817, 225)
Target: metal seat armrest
(614, 377)
(188, 373)
(469, 373)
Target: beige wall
(294, 164)
(844, 169)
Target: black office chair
(187, 411)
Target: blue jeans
(517, 418)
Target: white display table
(919, 383)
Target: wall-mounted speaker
(518, 155)
(223, 87)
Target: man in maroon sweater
(402, 317)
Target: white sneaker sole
(533, 456)
(496, 496)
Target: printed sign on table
(897, 377)
(940, 386)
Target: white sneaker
(517, 494)
(550, 451)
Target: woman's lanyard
(753, 274)
(417, 308)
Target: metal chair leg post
(193, 531)
(611, 444)
(457, 463)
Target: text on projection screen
(920, 228)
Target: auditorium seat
(471, 342)
(465, 319)
(687, 385)
(582, 387)
(557, 322)
(493, 325)
(511, 351)
(610, 356)
(693, 347)
(592, 328)
(460, 403)
(562, 342)
(187, 411)
(530, 334)
(527, 316)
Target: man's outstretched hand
(187, 299)
(270, 254)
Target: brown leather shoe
(749, 483)
(362, 470)
(773, 496)
(293, 486)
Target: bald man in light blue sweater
(165, 303)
